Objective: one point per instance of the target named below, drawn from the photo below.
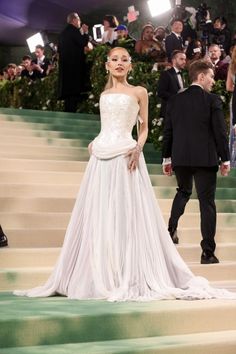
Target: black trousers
(205, 184)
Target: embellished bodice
(119, 114)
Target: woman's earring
(107, 71)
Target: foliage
(24, 93)
(42, 94)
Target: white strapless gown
(117, 246)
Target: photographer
(213, 33)
(41, 64)
(221, 34)
(204, 23)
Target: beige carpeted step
(13, 148)
(217, 342)
(23, 277)
(44, 237)
(12, 164)
(40, 141)
(36, 257)
(7, 130)
(39, 219)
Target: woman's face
(106, 25)
(119, 63)
(148, 33)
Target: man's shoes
(173, 235)
(3, 238)
(208, 258)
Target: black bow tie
(178, 73)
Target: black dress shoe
(173, 235)
(3, 238)
(208, 258)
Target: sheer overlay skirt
(117, 246)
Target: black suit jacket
(72, 65)
(172, 43)
(195, 130)
(167, 86)
(44, 66)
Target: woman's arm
(134, 153)
(143, 113)
(229, 81)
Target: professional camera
(201, 15)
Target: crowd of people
(213, 43)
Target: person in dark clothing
(195, 140)
(41, 64)
(28, 68)
(72, 65)
(174, 40)
(171, 80)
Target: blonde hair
(109, 83)
(232, 65)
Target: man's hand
(85, 28)
(167, 169)
(224, 169)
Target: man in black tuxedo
(174, 40)
(40, 64)
(72, 65)
(171, 80)
(194, 140)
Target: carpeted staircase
(42, 159)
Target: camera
(201, 15)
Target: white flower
(158, 105)
(154, 121)
(160, 138)
(91, 96)
(44, 108)
(159, 123)
(150, 93)
(47, 103)
(20, 107)
(130, 78)
(96, 104)
(152, 131)
(20, 90)
(223, 98)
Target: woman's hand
(133, 155)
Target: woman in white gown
(117, 246)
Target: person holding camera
(41, 64)
(220, 34)
(150, 46)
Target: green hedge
(42, 94)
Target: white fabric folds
(117, 246)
